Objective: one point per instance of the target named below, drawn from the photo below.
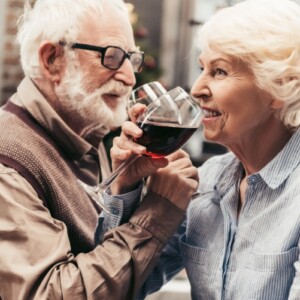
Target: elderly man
(79, 59)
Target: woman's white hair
(55, 21)
(265, 34)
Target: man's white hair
(54, 20)
(265, 34)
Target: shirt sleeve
(36, 258)
(169, 264)
(120, 208)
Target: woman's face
(234, 108)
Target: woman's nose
(200, 89)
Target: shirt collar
(36, 104)
(273, 174)
(84, 155)
(283, 164)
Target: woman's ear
(276, 104)
(52, 61)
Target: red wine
(163, 139)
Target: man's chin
(111, 114)
(118, 115)
(117, 122)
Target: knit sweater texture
(29, 149)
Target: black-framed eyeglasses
(112, 57)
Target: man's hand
(123, 148)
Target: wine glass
(146, 93)
(167, 123)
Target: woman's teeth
(211, 113)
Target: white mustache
(115, 87)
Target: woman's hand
(177, 181)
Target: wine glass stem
(107, 182)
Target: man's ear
(52, 61)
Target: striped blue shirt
(119, 211)
(255, 256)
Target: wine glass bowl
(168, 122)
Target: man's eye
(109, 57)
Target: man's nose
(125, 73)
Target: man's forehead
(115, 30)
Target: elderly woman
(240, 239)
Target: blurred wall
(11, 72)
(150, 15)
(170, 32)
(2, 25)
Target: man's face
(91, 95)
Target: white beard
(90, 108)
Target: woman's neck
(257, 150)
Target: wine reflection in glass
(167, 123)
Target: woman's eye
(220, 71)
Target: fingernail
(141, 149)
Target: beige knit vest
(29, 149)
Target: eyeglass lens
(114, 58)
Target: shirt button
(252, 179)
(115, 211)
